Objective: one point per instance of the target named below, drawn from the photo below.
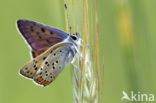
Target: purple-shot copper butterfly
(51, 48)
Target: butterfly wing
(54, 64)
(37, 53)
(40, 37)
(31, 67)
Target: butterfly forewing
(38, 36)
(60, 55)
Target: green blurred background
(127, 40)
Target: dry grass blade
(86, 80)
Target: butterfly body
(52, 50)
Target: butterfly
(51, 49)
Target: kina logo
(137, 97)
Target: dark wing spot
(48, 41)
(35, 61)
(45, 71)
(47, 63)
(26, 68)
(53, 67)
(59, 67)
(51, 51)
(50, 73)
(27, 71)
(51, 32)
(54, 54)
(40, 73)
(57, 61)
(32, 29)
(46, 74)
(51, 77)
(36, 68)
(42, 29)
(52, 63)
(60, 50)
(44, 58)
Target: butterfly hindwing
(54, 64)
(38, 36)
(31, 67)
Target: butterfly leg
(73, 63)
(78, 51)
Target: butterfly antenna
(67, 18)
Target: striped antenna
(68, 26)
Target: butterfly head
(75, 39)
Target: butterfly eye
(73, 37)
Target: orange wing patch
(37, 53)
(43, 82)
